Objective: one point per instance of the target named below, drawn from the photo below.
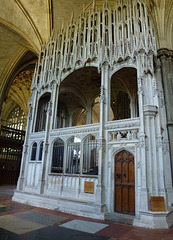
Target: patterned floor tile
(115, 230)
(39, 217)
(84, 226)
(60, 233)
(8, 208)
(18, 225)
(6, 235)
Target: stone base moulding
(155, 220)
(76, 207)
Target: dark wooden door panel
(124, 183)
(118, 200)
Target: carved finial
(105, 4)
(53, 33)
(44, 45)
(94, 3)
(72, 17)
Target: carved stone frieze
(120, 146)
(123, 136)
(72, 131)
(123, 124)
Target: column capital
(165, 53)
(150, 110)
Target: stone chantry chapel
(90, 85)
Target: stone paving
(23, 222)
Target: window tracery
(34, 151)
(16, 119)
(58, 156)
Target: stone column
(35, 108)
(102, 164)
(45, 161)
(162, 140)
(55, 96)
(89, 114)
(107, 95)
(133, 108)
(143, 201)
(70, 120)
(166, 58)
(20, 183)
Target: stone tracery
(109, 37)
(112, 33)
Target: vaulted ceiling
(26, 24)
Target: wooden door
(124, 183)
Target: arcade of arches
(86, 114)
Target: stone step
(120, 218)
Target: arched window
(138, 7)
(73, 156)
(62, 119)
(120, 32)
(72, 31)
(106, 37)
(41, 113)
(119, 14)
(96, 20)
(95, 35)
(16, 119)
(90, 156)
(143, 10)
(40, 152)
(140, 26)
(34, 151)
(81, 39)
(60, 42)
(125, 12)
(82, 24)
(91, 21)
(58, 155)
(106, 18)
(125, 31)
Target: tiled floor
(18, 221)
